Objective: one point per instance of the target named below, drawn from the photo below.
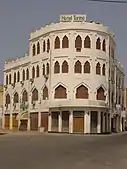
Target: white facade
(71, 80)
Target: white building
(67, 82)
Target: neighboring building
(1, 104)
(70, 81)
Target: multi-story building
(67, 81)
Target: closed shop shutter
(44, 120)
(7, 121)
(34, 121)
(78, 122)
(65, 121)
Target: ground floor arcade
(66, 120)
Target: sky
(19, 17)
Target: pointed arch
(27, 74)
(78, 43)
(6, 79)
(47, 67)
(35, 95)
(34, 50)
(9, 78)
(45, 93)
(100, 93)
(65, 67)
(37, 71)
(48, 45)
(43, 69)
(24, 96)
(7, 100)
(65, 42)
(38, 48)
(87, 67)
(98, 69)
(16, 97)
(82, 92)
(60, 92)
(104, 45)
(18, 76)
(44, 46)
(23, 75)
(57, 43)
(103, 70)
(33, 72)
(98, 44)
(15, 77)
(56, 67)
(78, 67)
(87, 42)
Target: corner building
(66, 82)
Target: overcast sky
(19, 17)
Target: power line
(108, 1)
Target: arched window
(57, 43)
(98, 44)
(44, 46)
(38, 48)
(104, 45)
(87, 42)
(37, 71)
(34, 50)
(78, 43)
(14, 77)
(103, 70)
(33, 72)
(48, 45)
(60, 92)
(7, 101)
(56, 67)
(98, 69)
(43, 69)
(65, 42)
(100, 94)
(47, 67)
(35, 95)
(45, 93)
(24, 96)
(18, 76)
(87, 67)
(78, 67)
(27, 74)
(16, 98)
(9, 78)
(6, 79)
(82, 92)
(65, 67)
(23, 75)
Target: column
(120, 124)
(88, 121)
(103, 127)
(71, 122)
(60, 121)
(99, 122)
(49, 121)
(39, 120)
(85, 122)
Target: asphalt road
(56, 151)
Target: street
(57, 151)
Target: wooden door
(65, 121)
(34, 121)
(78, 122)
(14, 122)
(7, 121)
(55, 116)
(44, 120)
